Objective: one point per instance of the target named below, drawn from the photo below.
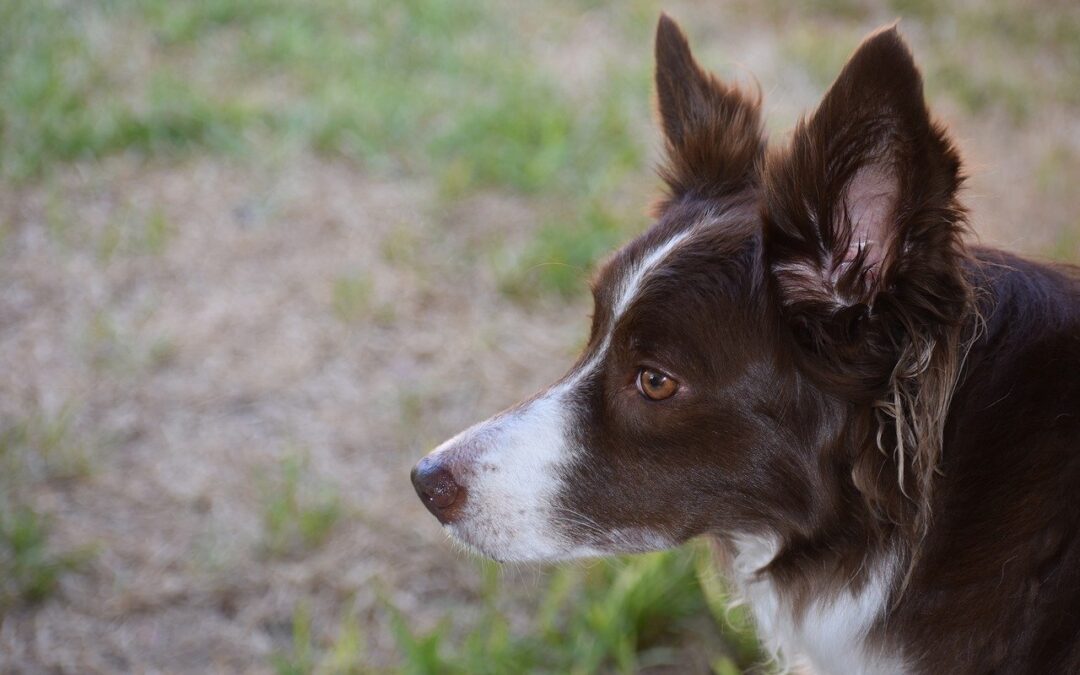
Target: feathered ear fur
(863, 236)
(712, 131)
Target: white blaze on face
(515, 459)
(631, 283)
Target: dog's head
(740, 347)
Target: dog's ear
(863, 240)
(712, 131)
(862, 227)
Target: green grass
(980, 54)
(122, 350)
(298, 515)
(444, 90)
(980, 92)
(435, 89)
(822, 53)
(1006, 39)
(616, 616)
(39, 447)
(343, 655)
(1066, 245)
(135, 233)
(352, 297)
(563, 251)
(63, 97)
(425, 85)
(29, 571)
(44, 446)
(353, 302)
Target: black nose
(436, 487)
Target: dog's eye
(655, 385)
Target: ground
(257, 258)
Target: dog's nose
(436, 487)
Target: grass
(980, 92)
(1066, 245)
(406, 92)
(60, 102)
(424, 87)
(822, 54)
(353, 301)
(29, 570)
(619, 616)
(121, 350)
(977, 53)
(134, 234)
(564, 249)
(352, 297)
(298, 515)
(39, 447)
(44, 446)
(344, 655)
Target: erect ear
(863, 238)
(712, 131)
(862, 227)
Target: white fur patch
(630, 284)
(830, 637)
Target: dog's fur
(878, 425)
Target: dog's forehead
(692, 231)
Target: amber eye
(655, 385)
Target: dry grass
(180, 319)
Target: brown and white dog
(802, 359)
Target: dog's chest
(830, 635)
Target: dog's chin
(518, 545)
(509, 544)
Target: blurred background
(258, 256)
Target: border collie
(802, 360)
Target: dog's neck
(831, 626)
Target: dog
(804, 360)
